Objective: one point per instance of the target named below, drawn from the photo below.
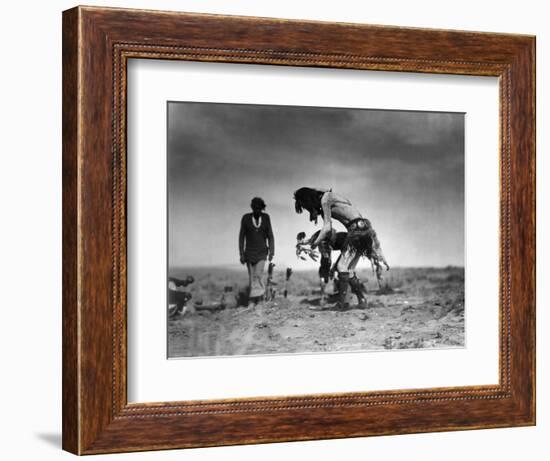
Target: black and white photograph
(275, 230)
(304, 230)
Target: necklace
(257, 226)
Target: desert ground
(417, 308)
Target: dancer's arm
(326, 203)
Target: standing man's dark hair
(257, 203)
(256, 244)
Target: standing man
(256, 244)
(361, 239)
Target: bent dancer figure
(361, 239)
(256, 244)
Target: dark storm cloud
(404, 168)
(222, 130)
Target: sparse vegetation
(418, 308)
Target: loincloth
(361, 239)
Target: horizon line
(239, 266)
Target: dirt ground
(419, 308)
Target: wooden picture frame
(97, 43)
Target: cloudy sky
(404, 170)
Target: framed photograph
(282, 230)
